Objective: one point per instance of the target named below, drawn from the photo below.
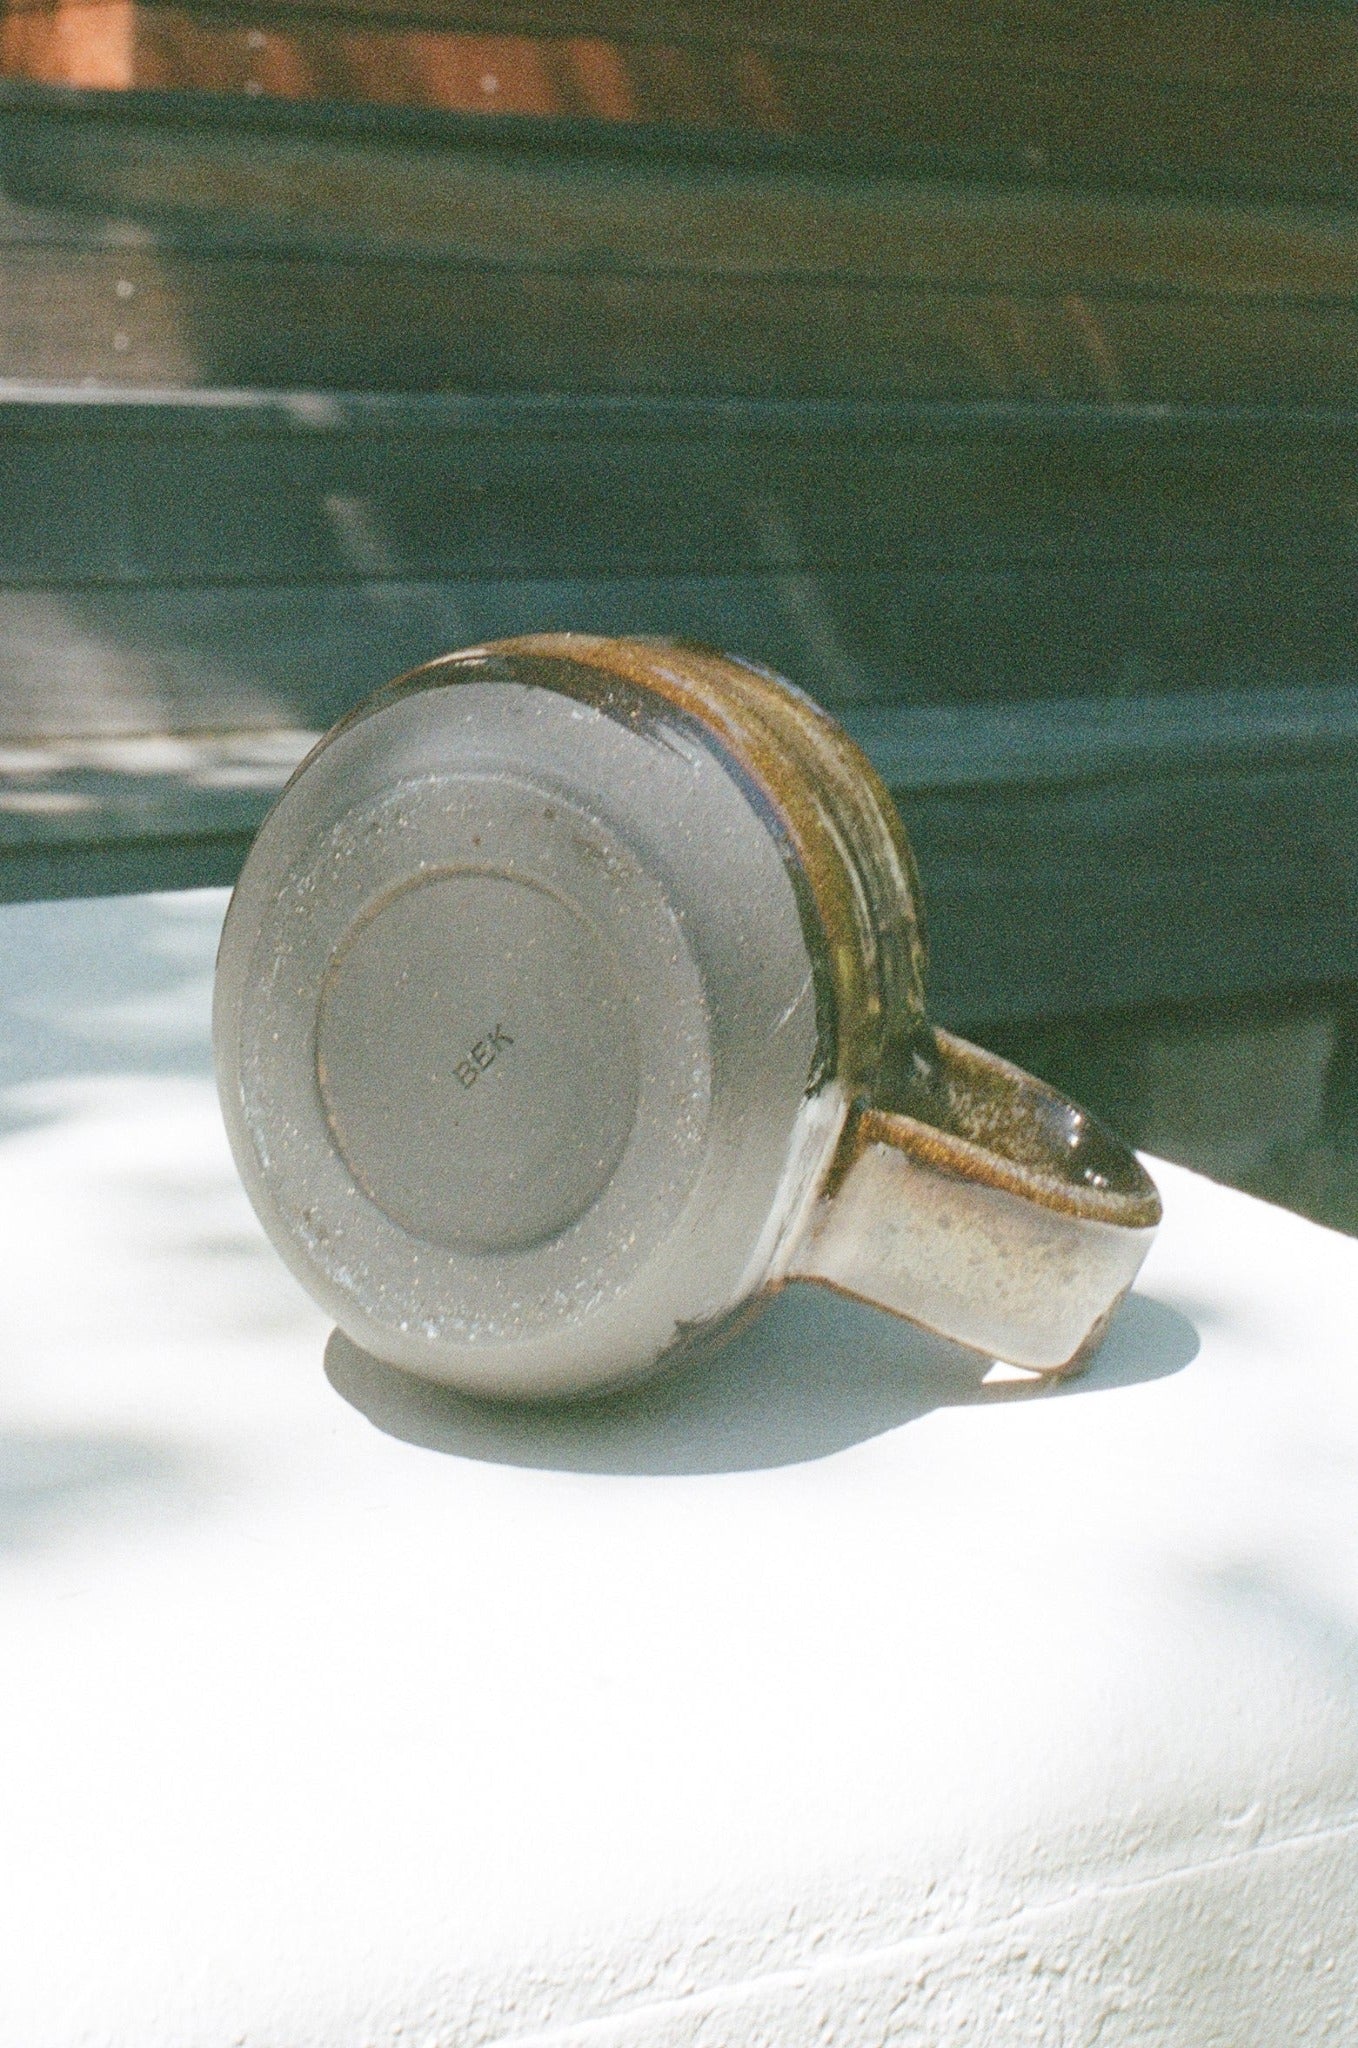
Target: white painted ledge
(824, 1696)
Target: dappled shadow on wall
(812, 1375)
(552, 77)
(1238, 94)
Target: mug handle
(981, 1204)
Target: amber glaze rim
(839, 831)
(835, 814)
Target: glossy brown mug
(572, 1000)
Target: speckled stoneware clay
(572, 999)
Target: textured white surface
(823, 1697)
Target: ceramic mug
(571, 1000)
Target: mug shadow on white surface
(811, 1375)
